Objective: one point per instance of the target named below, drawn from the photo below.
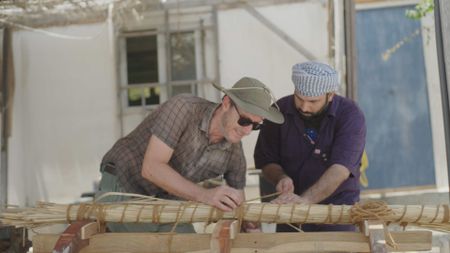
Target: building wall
(65, 113)
(249, 48)
(66, 107)
(66, 104)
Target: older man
(185, 141)
(314, 157)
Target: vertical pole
(350, 49)
(216, 47)
(5, 117)
(442, 19)
(203, 57)
(168, 53)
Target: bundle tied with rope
(144, 209)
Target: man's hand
(290, 198)
(285, 185)
(223, 197)
(251, 227)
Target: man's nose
(248, 129)
(305, 107)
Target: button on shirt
(183, 124)
(340, 140)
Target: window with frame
(142, 70)
(182, 62)
(144, 85)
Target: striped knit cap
(314, 79)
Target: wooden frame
(225, 238)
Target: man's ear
(331, 95)
(226, 102)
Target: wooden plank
(412, 241)
(220, 237)
(88, 230)
(301, 242)
(70, 240)
(262, 242)
(147, 242)
(43, 243)
(377, 240)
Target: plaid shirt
(183, 124)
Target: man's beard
(314, 116)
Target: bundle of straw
(162, 211)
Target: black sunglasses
(243, 121)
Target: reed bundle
(161, 211)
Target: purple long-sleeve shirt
(340, 140)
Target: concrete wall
(248, 48)
(65, 113)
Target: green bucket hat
(255, 98)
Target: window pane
(183, 56)
(151, 96)
(142, 59)
(142, 67)
(181, 89)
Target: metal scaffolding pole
(442, 23)
(4, 115)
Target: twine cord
(123, 213)
(193, 213)
(307, 213)
(240, 212)
(446, 214)
(219, 214)
(373, 210)
(261, 212)
(264, 197)
(158, 217)
(210, 216)
(341, 214)
(81, 211)
(101, 217)
(155, 216)
(403, 214)
(436, 214)
(329, 219)
(277, 214)
(420, 215)
(68, 213)
(292, 213)
(138, 216)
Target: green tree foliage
(421, 9)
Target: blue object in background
(393, 96)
